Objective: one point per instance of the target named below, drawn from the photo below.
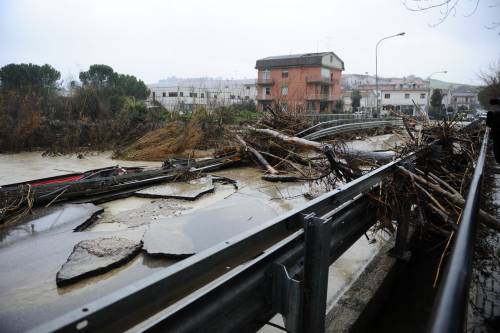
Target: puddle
(190, 190)
(63, 218)
(189, 234)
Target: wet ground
(31, 257)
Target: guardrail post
(400, 250)
(317, 238)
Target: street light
(429, 89)
(376, 64)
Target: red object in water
(58, 180)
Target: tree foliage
(107, 82)
(356, 99)
(28, 77)
(106, 109)
(436, 98)
(339, 106)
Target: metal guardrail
(201, 293)
(352, 127)
(316, 118)
(336, 122)
(449, 311)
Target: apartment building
(405, 96)
(308, 81)
(186, 94)
(461, 98)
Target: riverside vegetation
(105, 110)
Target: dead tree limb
(487, 219)
(257, 155)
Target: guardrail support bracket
(287, 298)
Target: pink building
(308, 81)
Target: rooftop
(294, 60)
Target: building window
(154, 95)
(284, 90)
(422, 96)
(407, 96)
(266, 75)
(202, 95)
(172, 94)
(268, 91)
(310, 106)
(181, 94)
(231, 96)
(215, 96)
(164, 94)
(284, 73)
(247, 97)
(248, 87)
(387, 96)
(331, 58)
(192, 94)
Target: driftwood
(456, 198)
(257, 155)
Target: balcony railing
(262, 97)
(319, 97)
(320, 80)
(265, 82)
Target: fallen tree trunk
(337, 166)
(257, 155)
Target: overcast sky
(156, 39)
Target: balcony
(262, 97)
(319, 97)
(321, 80)
(265, 82)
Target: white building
(405, 96)
(185, 94)
(368, 101)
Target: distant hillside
(438, 84)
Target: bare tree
(448, 8)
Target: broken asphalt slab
(96, 256)
(186, 235)
(190, 190)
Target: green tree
(436, 98)
(99, 76)
(109, 83)
(436, 108)
(28, 77)
(129, 85)
(356, 99)
(339, 106)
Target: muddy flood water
(31, 256)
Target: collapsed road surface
(32, 257)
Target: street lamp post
(429, 89)
(376, 65)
